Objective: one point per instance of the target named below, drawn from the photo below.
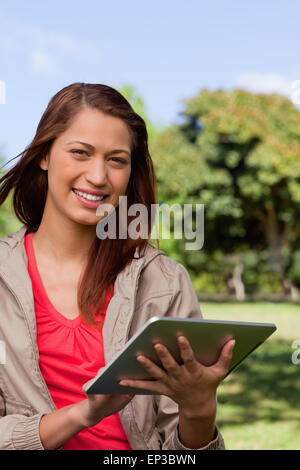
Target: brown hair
(30, 184)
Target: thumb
(225, 356)
(87, 384)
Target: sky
(167, 49)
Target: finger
(150, 385)
(168, 361)
(153, 370)
(224, 360)
(187, 355)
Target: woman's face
(88, 166)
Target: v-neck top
(70, 354)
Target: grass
(258, 404)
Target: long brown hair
(30, 185)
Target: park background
(218, 86)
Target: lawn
(258, 404)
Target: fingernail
(140, 359)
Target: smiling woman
(69, 300)
(79, 134)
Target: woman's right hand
(96, 407)
(62, 424)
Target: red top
(70, 354)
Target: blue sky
(168, 49)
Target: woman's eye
(78, 151)
(119, 160)
(116, 159)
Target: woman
(70, 300)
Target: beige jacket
(141, 291)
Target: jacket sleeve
(184, 304)
(19, 432)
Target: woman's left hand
(191, 385)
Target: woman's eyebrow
(91, 147)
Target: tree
(238, 153)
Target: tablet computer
(207, 337)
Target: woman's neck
(67, 245)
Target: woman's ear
(44, 163)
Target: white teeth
(90, 197)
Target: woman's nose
(97, 173)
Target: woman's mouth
(89, 200)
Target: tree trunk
(294, 293)
(275, 238)
(275, 242)
(289, 288)
(237, 281)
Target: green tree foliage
(237, 153)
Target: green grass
(258, 404)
